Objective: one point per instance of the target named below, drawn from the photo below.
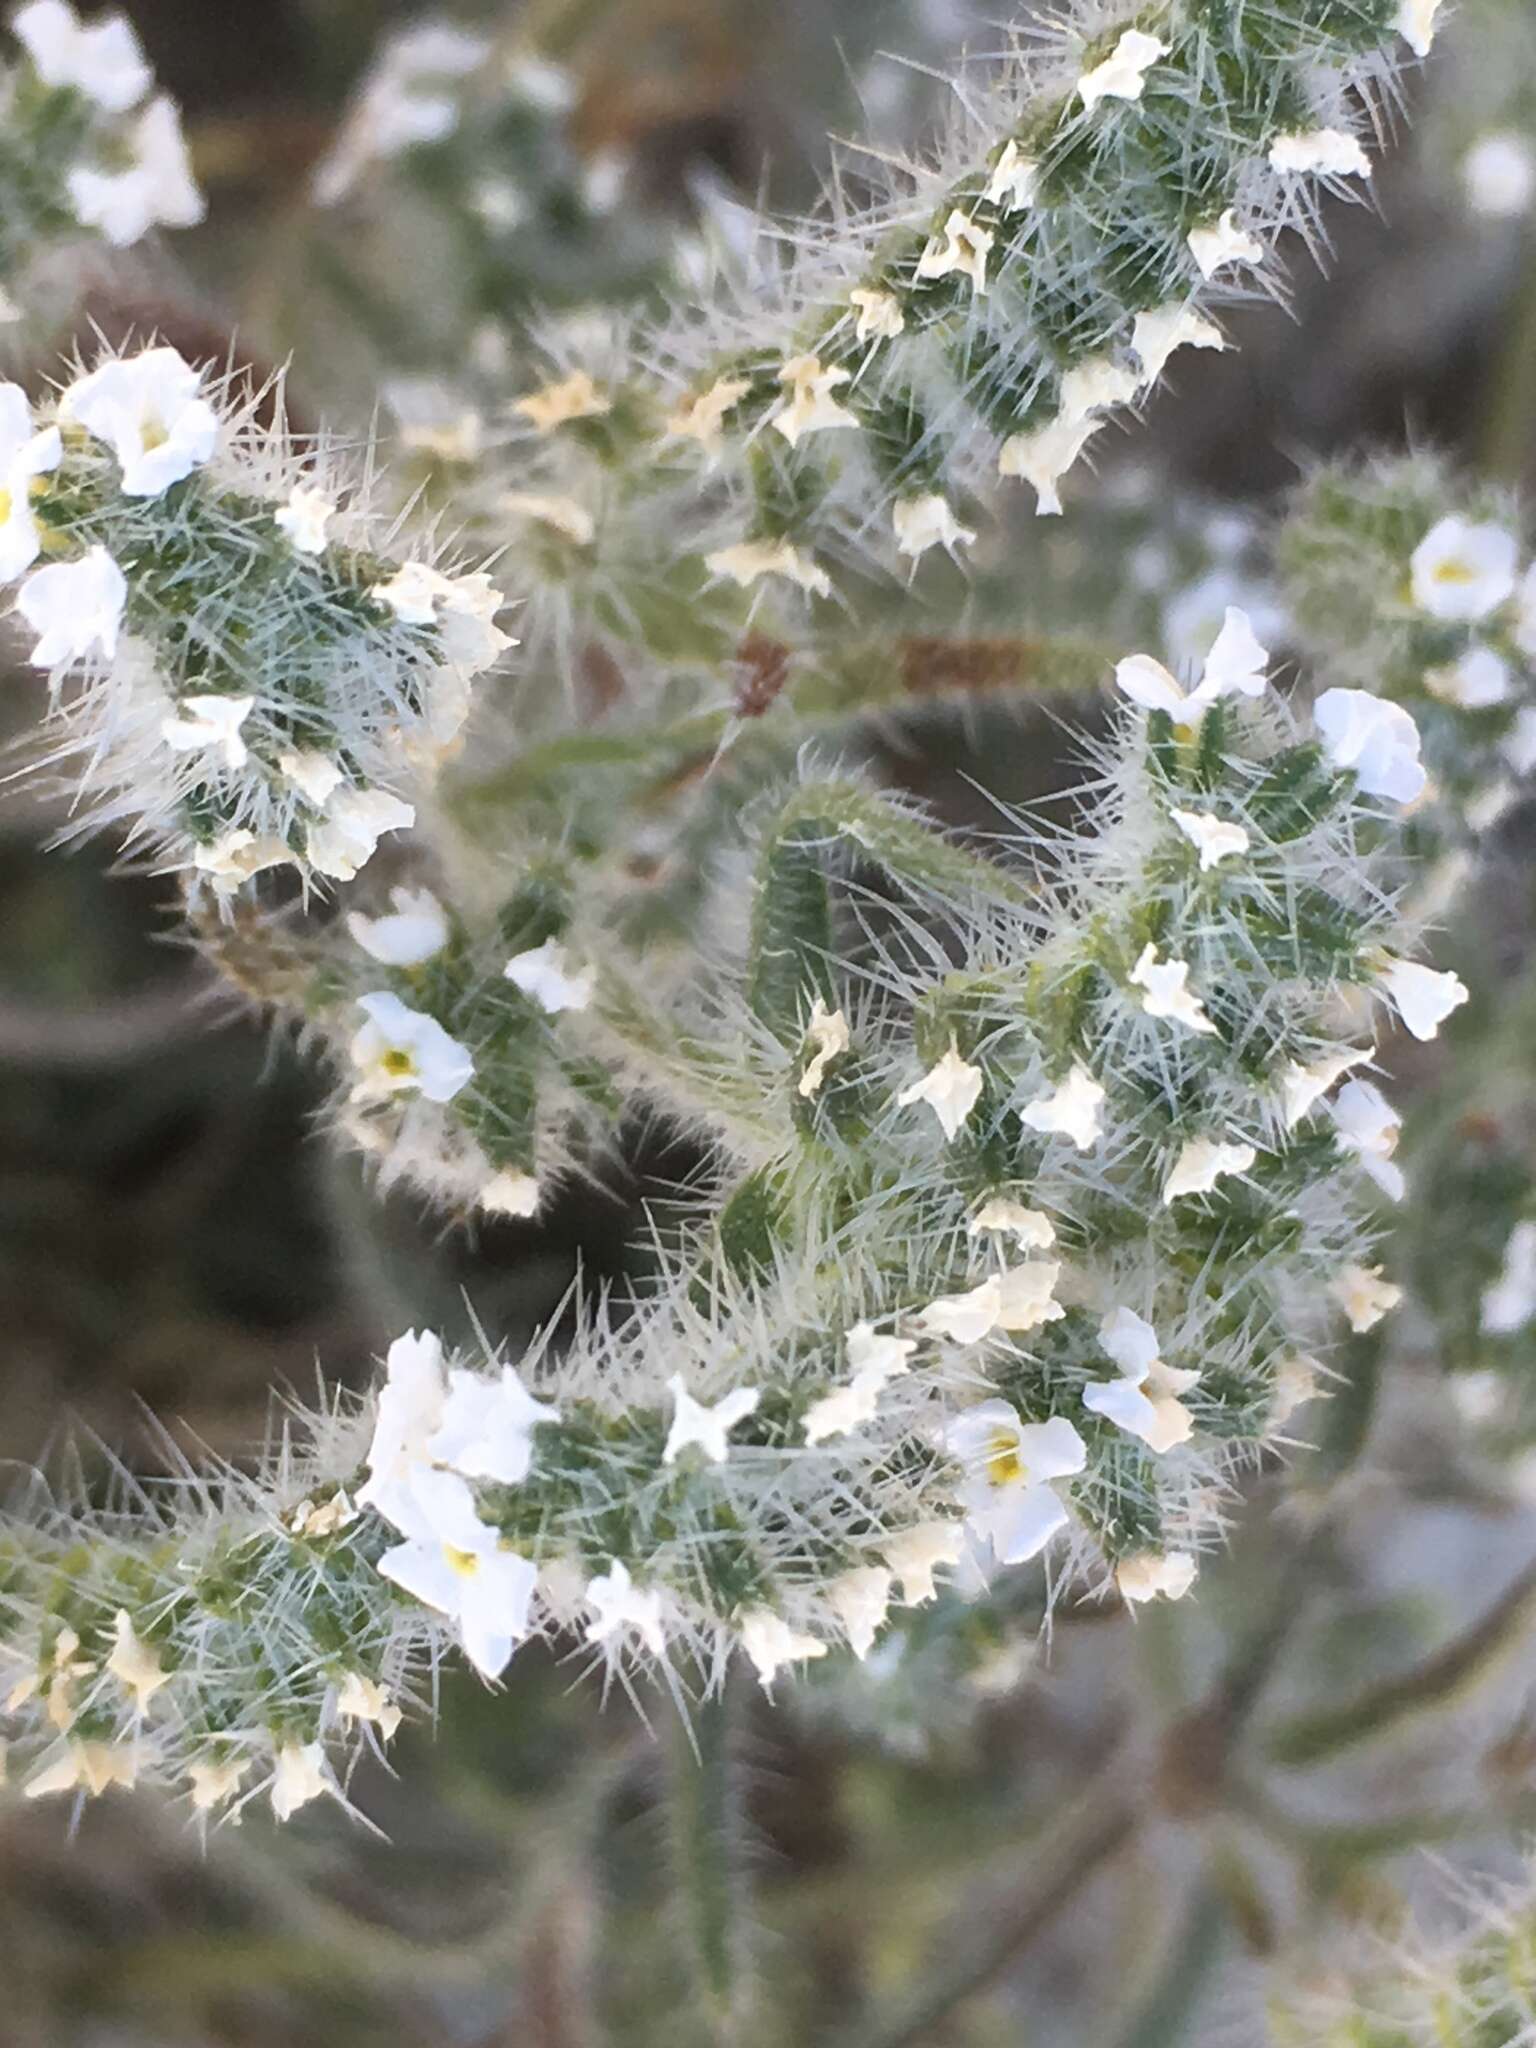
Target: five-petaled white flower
(772, 1644)
(880, 315)
(1463, 570)
(457, 1565)
(346, 834)
(827, 1036)
(103, 60)
(1422, 996)
(1201, 1163)
(543, 975)
(400, 1051)
(1164, 330)
(304, 519)
(701, 418)
(1479, 678)
(1213, 248)
(705, 1425)
(75, 608)
(1510, 1303)
(810, 407)
(1303, 1085)
(1166, 993)
(1364, 1296)
(951, 1089)
(748, 560)
(925, 522)
(1369, 1127)
(1234, 666)
(1144, 1400)
(1416, 24)
(206, 724)
(1324, 152)
(409, 1409)
(961, 245)
(1011, 186)
(861, 1599)
(1377, 741)
(621, 1604)
(24, 456)
(1031, 1228)
(1043, 455)
(915, 1554)
(1123, 73)
(1074, 1109)
(1152, 1574)
(155, 189)
(150, 410)
(1010, 1501)
(486, 1427)
(1216, 839)
(414, 932)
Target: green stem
(708, 1840)
(1504, 446)
(1162, 2019)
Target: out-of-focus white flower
(24, 456)
(157, 189)
(1166, 993)
(1369, 1127)
(1422, 996)
(962, 246)
(1376, 740)
(1123, 73)
(104, 61)
(305, 518)
(485, 1430)
(1074, 1110)
(1478, 679)
(1213, 248)
(212, 1782)
(915, 1554)
(1510, 1303)
(360, 1698)
(1144, 1400)
(772, 1644)
(621, 1604)
(1031, 1228)
(400, 1051)
(1162, 332)
(1010, 1501)
(1152, 1575)
(827, 1035)
(1295, 1384)
(861, 1599)
(314, 775)
(1325, 152)
(1498, 175)
(150, 410)
(545, 978)
(1012, 185)
(1519, 744)
(209, 724)
(298, 1776)
(416, 931)
(511, 1193)
(346, 834)
(747, 560)
(1042, 456)
(927, 522)
(701, 418)
(1463, 570)
(459, 1567)
(235, 856)
(89, 1767)
(575, 397)
(1201, 1163)
(406, 100)
(1416, 23)
(133, 1663)
(562, 515)
(809, 407)
(707, 1425)
(1235, 665)
(1364, 1296)
(1215, 838)
(951, 1090)
(75, 608)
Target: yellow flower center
(1454, 571)
(7, 506)
(464, 1562)
(397, 1063)
(153, 433)
(1004, 1465)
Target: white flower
(305, 518)
(1519, 744)
(1166, 329)
(1144, 1400)
(75, 608)
(1029, 1227)
(1478, 679)
(1043, 455)
(562, 515)
(1377, 741)
(621, 1604)
(23, 457)
(344, 837)
(1234, 666)
(861, 1599)
(1096, 384)
(1009, 1466)
(880, 315)
(409, 1409)
(486, 1427)
(1073, 1109)
(545, 978)
(203, 724)
(1012, 185)
(458, 1567)
(157, 189)
(1213, 248)
(1150, 1574)
(1328, 152)
(235, 856)
(511, 1193)
(1165, 991)
(962, 246)
(827, 1034)
(1369, 1127)
(964, 1318)
(915, 1554)
(103, 61)
(150, 411)
(1295, 1384)
(772, 1644)
(1463, 571)
(1216, 838)
(1416, 23)
(1017, 1299)
(360, 1698)
(1199, 1166)
(133, 1663)
(90, 1767)
(213, 1783)
(709, 1427)
(314, 775)
(1302, 1086)
(810, 407)
(1364, 1296)
(1423, 996)
(927, 522)
(298, 1776)
(1510, 1303)
(1498, 175)
(951, 1090)
(402, 1051)
(750, 559)
(870, 1352)
(702, 417)
(328, 1518)
(463, 608)
(554, 405)
(1123, 73)
(416, 931)
(876, 1361)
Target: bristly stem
(707, 1827)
